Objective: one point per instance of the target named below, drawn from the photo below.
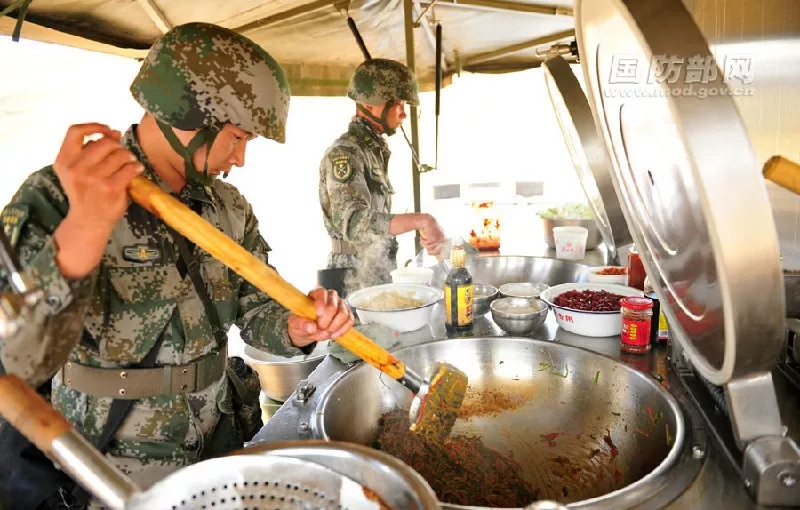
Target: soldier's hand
(334, 318)
(95, 176)
(432, 236)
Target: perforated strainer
(241, 481)
(257, 482)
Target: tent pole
(408, 15)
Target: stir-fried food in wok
(461, 470)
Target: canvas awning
(311, 39)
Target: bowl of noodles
(400, 306)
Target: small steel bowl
(482, 296)
(528, 290)
(505, 314)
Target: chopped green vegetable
(596, 377)
(544, 366)
(568, 212)
(565, 374)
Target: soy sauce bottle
(458, 290)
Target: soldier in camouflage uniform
(354, 188)
(109, 268)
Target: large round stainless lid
(687, 180)
(587, 151)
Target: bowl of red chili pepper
(618, 275)
(588, 309)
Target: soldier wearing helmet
(124, 322)
(354, 188)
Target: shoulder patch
(13, 218)
(342, 171)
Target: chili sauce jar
(637, 316)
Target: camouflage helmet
(200, 75)
(378, 81)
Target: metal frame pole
(408, 15)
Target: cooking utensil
(402, 319)
(445, 387)
(395, 482)
(588, 153)
(482, 296)
(783, 172)
(501, 269)
(280, 376)
(572, 399)
(581, 322)
(230, 482)
(526, 290)
(509, 315)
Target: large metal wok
(503, 269)
(575, 399)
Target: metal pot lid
(687, 180)
(587, 151)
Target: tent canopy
(311, 39)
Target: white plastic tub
(412, 274)
(402, 320)
(570, 242)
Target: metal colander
(257, 482)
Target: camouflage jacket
(356, 198)
(130, 299)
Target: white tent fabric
(311, 39)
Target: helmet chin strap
(380, 120)
(205, 136)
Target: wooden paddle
(448, 394)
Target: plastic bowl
(403, 320)
(523, 289)
(615, 279)
(580, 322)
(482, 296)
(518, 316)
(412, 274)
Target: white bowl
(616, 279)
(523, 289)
(403, 320)
(412, 274)
(580, 322)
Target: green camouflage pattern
(378, 81)
(200, 75)
(125, 305)
(356, 199)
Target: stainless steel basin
(503, 269)
(575, 398)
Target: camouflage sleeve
(261, 319)
(37, 352)
(350, 204)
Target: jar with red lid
(636, 273)
(637, 315)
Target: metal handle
(46, 428)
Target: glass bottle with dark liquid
(458, 291)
